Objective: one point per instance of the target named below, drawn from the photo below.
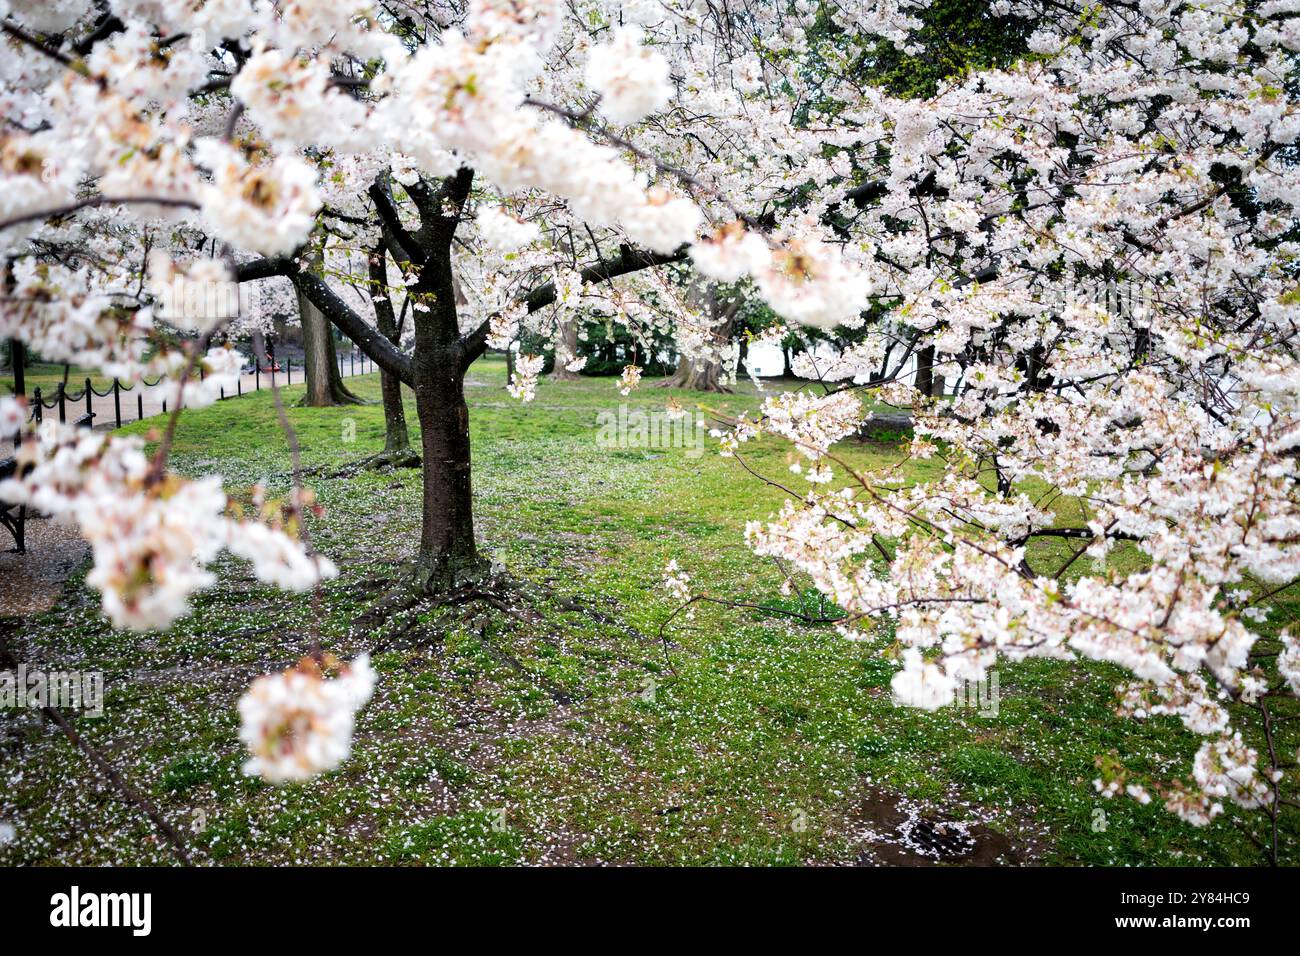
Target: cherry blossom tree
(437, 180)
(1095, 246)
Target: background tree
(320, 358)
(397, 439)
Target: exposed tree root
(406, 605)
(403, 458)
(705, 381)
(402, 619)
(338, 395)
(556, 692)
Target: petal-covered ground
(567, 732)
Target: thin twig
(132, 795)
(93, 202)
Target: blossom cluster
(297, 723)
(152, 535)
(632, 79)
(523, 383)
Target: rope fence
(63, 400)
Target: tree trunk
(565, 352)
(705, 375)
(701, 376)
(448, 555)
(925, 370)
(18, 359)
(397, 440)
(786, 370)
(324, 383)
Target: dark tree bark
(397, 438)
(448, 555)
(448, 552)
(925, 370)
(18, 360)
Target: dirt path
(30, 583)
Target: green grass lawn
(569, 739)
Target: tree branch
(434, 226)
(264, 269)
(392, 221)
(473, 344)
(93, 202)
(366, 337)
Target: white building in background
(765, 361)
